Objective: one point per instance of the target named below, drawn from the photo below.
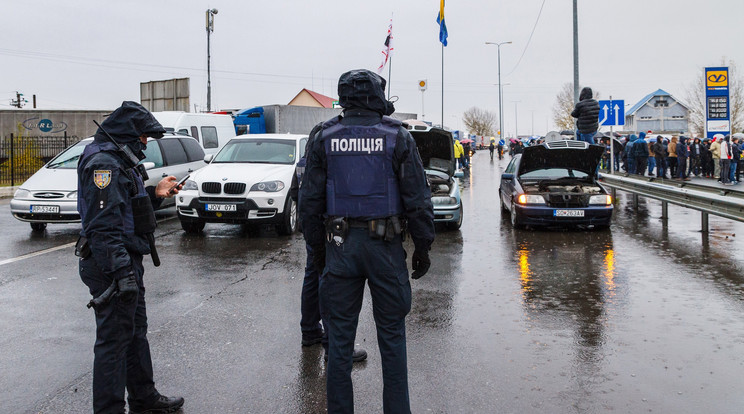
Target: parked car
(436, 147)
(555, 183)
(211, 131)
(50, 195)
(247, 182)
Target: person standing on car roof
(586, 113)
(364, 179)
(310, 320)
(117, 224)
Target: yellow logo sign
(716, 79)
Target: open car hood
(437, 149)
(576, 155)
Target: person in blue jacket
(364, 182)
(117, 223)
(640, 153)
(630, 156)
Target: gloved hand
(319, 261)
(420, 263)
(127, 287)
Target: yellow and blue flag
(442, 26)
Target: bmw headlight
(190, 185)
(530, 199)
(21, 193)
(72, 195)
(601, 200)
(268, 186)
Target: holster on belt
(145, 223)
(82, 248)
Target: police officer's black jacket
(587, 112)
(107, 183)
(414, 188)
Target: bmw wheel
(289, 221)
(192, 226)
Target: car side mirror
(149, 165)
(459, 174)
(208, 158)
(507, 176)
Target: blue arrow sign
(611, 112)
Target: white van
(211, 131)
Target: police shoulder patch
(102, 178)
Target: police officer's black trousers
(122, 352)
(310, 303)
(382, 265)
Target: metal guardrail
(723, 202)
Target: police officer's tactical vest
(137, 189)
(360, 180)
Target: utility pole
(576, 50)
(19, 101)
(210, 29)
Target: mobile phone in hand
(179, 183)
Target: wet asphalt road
(645, 317)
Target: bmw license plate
(45, 209)
(568, 213)
(221, 207)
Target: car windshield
(259, 151)
(68, 159)
(553, 174)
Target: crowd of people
(679, 157)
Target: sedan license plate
(568, 213)
(221, 207)
(45, 209)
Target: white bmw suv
(247, 182)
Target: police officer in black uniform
(364, 182)
(117, 224)
(312, 330)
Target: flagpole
(390, 73)
(442, 85)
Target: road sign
(611, 112)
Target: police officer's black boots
(162, 405)
(359, 355)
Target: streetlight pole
(210, 29)
(516, 121)
(501, 110)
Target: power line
(528, 40)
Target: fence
(21, 157)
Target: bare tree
(696, 100)
(563, 106)
(479, 121)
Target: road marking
(51, 249)
(34, 254)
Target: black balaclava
(127, 123)
(361, 88)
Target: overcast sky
(85, 54)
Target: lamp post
(501, 110)
(210, 29)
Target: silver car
(50, 195)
